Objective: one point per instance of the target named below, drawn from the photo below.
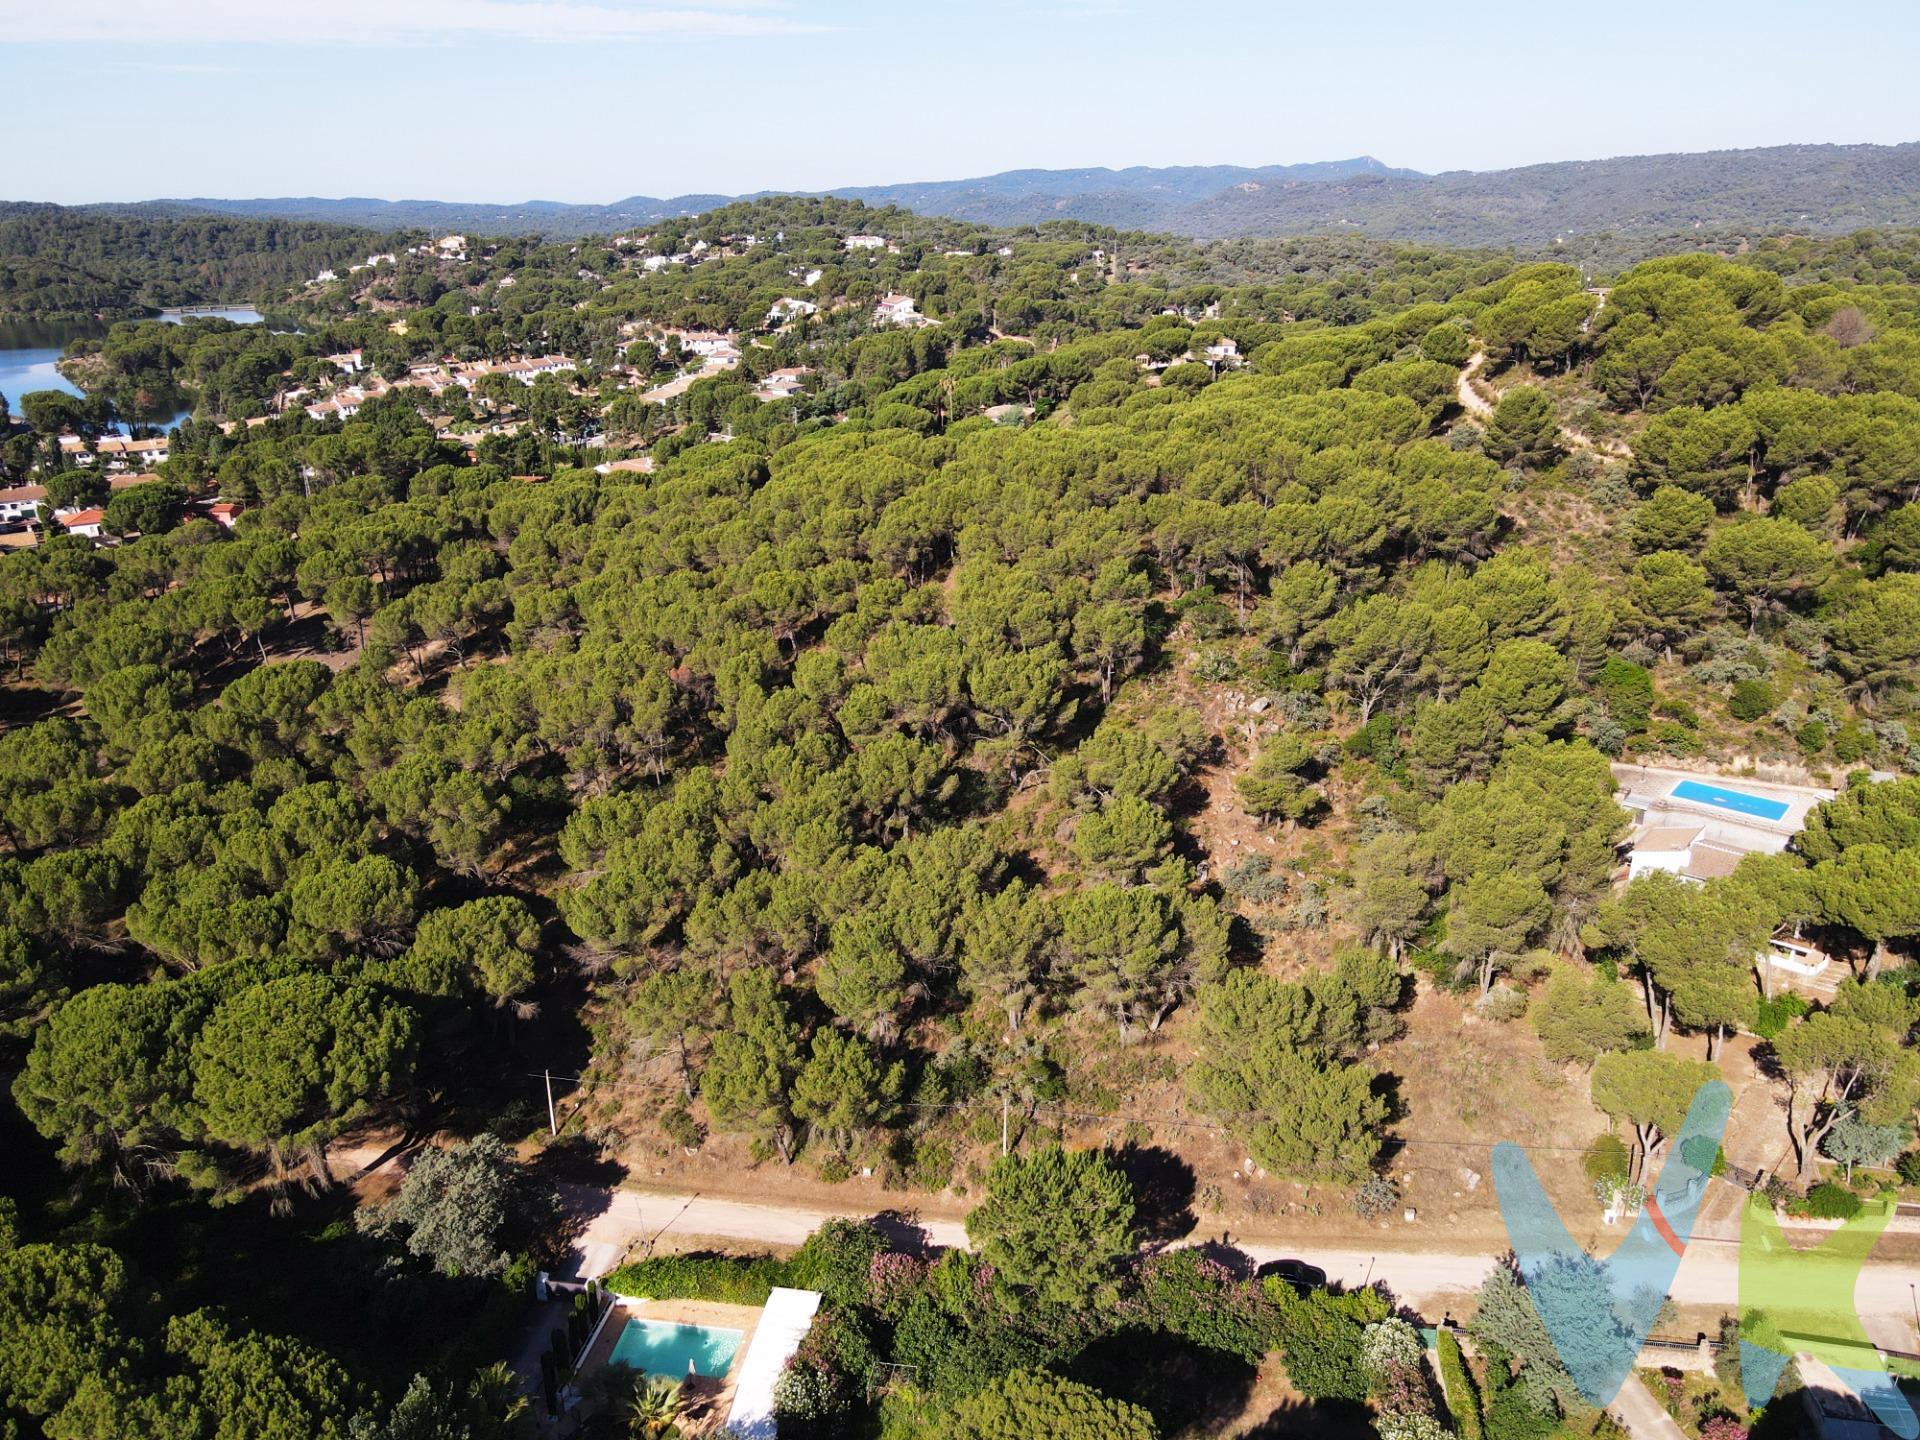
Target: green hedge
(1463, 1397)
(727, 1279)
(835, 1261)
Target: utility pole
(1003, 1125)
(553, 1123)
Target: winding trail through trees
(1470, 398)
(1479, 408)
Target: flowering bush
(1410, 1425)
(1391, 1344)
(1186, 1294)
(1722, 1427)
(1676, 1388)
(893, 1279)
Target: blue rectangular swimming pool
(1737, 801)
(661, 1347)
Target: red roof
(84, 517)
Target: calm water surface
(28, 350)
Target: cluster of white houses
(435, 379)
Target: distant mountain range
(1808, 187)
(1135, 198)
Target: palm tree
(635, 1403)
(654, 1407)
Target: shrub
(1907, 1167)
(682, 1128)
(1726, 1360)
(1034, 1402)
(1215, 667)
(1674, 738)
(893, 1279)
(954, 1356)
(1751, 700)
(1410, 1425)
(1463, 1396)
(932, 1166)
(1512, 1415)
(1188, 1295)
(1253, 879)
(731, 1280)
(1853, 741)
(1811, 737)
(1607, 1158)
(809, 1400)
(1771, 1017)
(837, 1260)
(1375, 1198)
(1828, 1201)
(1627, 691)
(1503, 1003)
(1322, 1336)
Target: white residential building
(866, 242)
(786, 307)
(783, 384)
(21, 502)
(898, 310)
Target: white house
(347, 360)
(21, 502)
(866, 242)
(898, 310)
(81, 522)
(787, 306)
(783, 384)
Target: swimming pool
(661, 1347)
(1737, 801)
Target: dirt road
(623, 1220)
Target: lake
(28, 350)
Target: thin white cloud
(185, 67)
(364, 22)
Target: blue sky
(504, 100)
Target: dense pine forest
(1120, 747)
(60, 264)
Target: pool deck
(711, 1397)
(1650, 790)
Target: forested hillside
(1148, 697)
(73, 264)
(1822, 188)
